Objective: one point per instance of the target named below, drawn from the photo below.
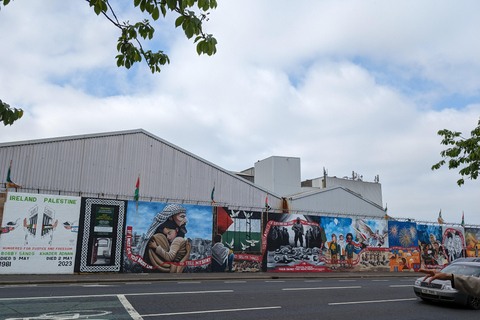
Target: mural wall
(472, 241)
(294, 243)
(319, 244)
(39, 234)
(430, 243)
(403, 242)
(241, 232)
(60, 234)
(162, 237)
(100, 242)
(453, 242)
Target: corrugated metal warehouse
(107, 165)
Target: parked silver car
(442, 291)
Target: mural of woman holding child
(166, 247)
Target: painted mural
(241, 233)
(294, 243)
(355, 244)
(39, 234)
(430, 243)
(162, 237)
(453, 242)
(404, 251)
(472, 241)
(101, 237)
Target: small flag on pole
(212, 196)
(440, 219)
(10, 183)
(137, 188)
(463, 219)
(386, 209)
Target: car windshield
(466, 270)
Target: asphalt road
(372, 298)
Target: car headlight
(418, 282)
(447, 287)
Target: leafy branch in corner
(130, 48)
(462, 152)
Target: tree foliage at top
(129, 45)
(461, 153)
(9, 115)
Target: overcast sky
(358, 86)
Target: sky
(359, 86)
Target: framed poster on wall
(100, 246)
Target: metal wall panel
(336, 200)
(107, 165)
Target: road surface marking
(380, 280)
(313, 280)
(114, 295)
(208, 311)
(96, 285)
(347, 280)
(400, 285)
(321, 288)
(235, 281)
(372, 301)
(128, 306)
(274, 280)
(188, 282)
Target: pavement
(25, 279)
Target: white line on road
(400, 285)
(114, 295)
(188, 282)
(274, 280)
(321, 288)
(209, 311)
(313, 280)
(372, 301)
(235, 281)
(128, 306)
(96, 285)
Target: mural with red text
(294, 243)
(168, 237)
(241, 233)
(453, 242)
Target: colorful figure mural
(355, 244)
(472, 241)
(453, 242)
(430, 242)
(241, 233)
(157, 239)
(404, 251)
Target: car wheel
(473, 303)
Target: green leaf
(200, 47)
(155, 13)
(179, 21)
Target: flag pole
(137, 193)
